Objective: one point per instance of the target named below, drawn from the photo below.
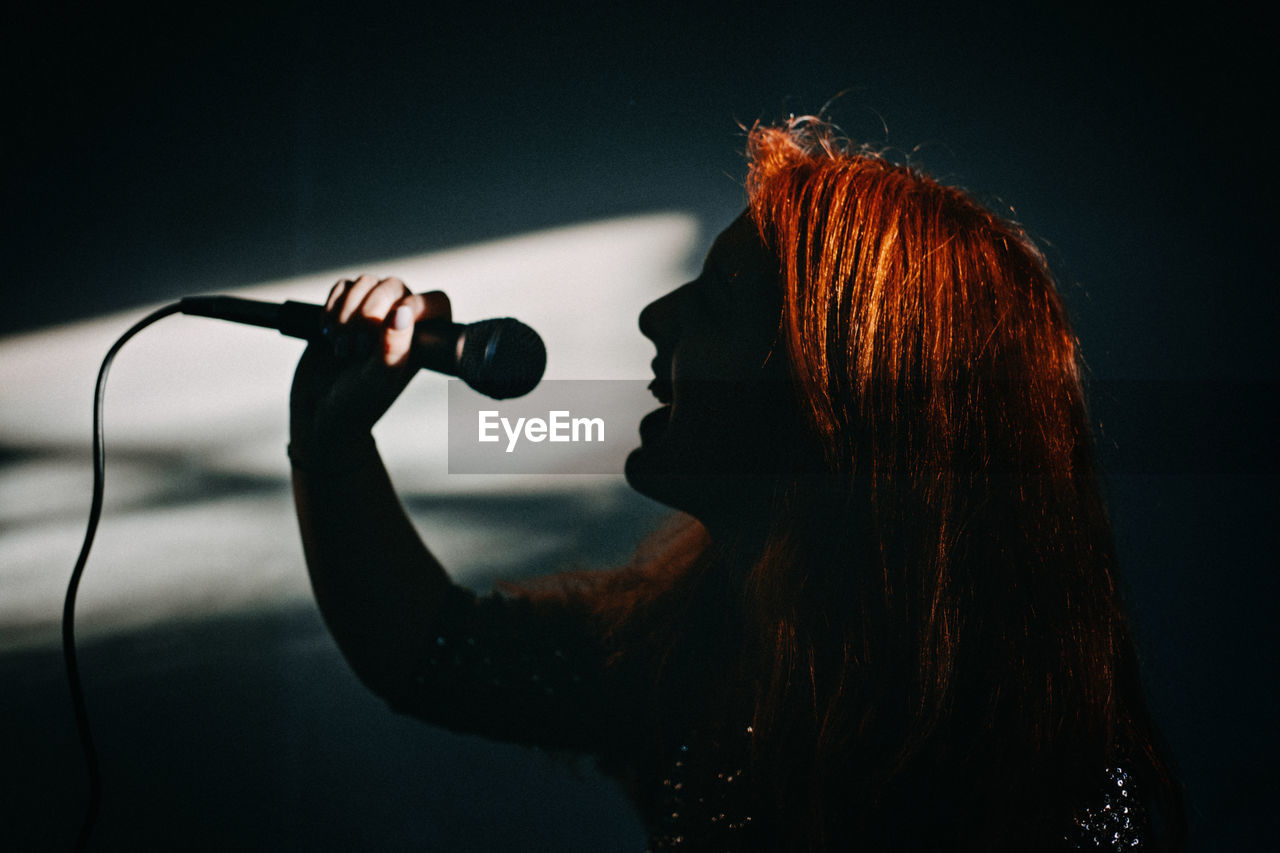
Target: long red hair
(931, 626)
(937, 371)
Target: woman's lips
(659, 390)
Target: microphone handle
(436, 342)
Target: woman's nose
(660, 318)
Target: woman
(889, 619)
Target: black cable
(69, 605)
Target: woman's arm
(377, 585)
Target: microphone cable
(511, 374)
(69, 604)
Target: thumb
(401, 319)
(399, 335)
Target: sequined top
(1116, 821)
(535, 674)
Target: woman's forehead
(738, 245)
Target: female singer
(887, 616)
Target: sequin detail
(507, 669)
(510, 670)
(1117, 823)
(703, 805)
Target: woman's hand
(345, 382)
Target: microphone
(500, 358)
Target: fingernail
(403, 318)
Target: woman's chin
(651, 470)
(641, 470)
(654, 424)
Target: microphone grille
(502, 358)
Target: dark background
(153, 151)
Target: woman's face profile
(720, 374)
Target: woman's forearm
(377, 585)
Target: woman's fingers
(342, 387)
(336, 293)
(390, 305)
(386, 304)
(354, 297)
(377, 302)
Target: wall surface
(153, 151)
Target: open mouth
(661, 391)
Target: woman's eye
(715, 294)
(706, 300)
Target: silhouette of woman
(886, 617)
